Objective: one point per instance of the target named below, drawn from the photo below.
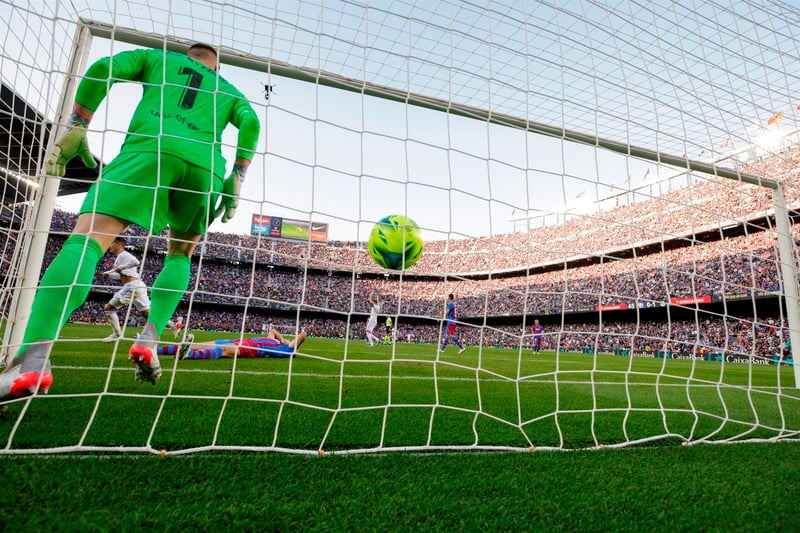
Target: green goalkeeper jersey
(184, 109)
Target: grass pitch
(341, 396)
(345, 396)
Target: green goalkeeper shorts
(139, 188)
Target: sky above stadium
(349, 160)
(702, 81)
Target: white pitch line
(424, 378)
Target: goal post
(40, 218)
(788, 267)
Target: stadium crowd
(519, 274)
(662, 216)
(734, 266)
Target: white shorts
(134, 291)
(371, 323)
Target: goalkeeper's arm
(249, 126)
(92, 89)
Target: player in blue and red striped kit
(450, 316)
(273, 345)
(537, 330)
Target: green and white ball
(395, 242)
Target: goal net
(607, 195)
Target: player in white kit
(133, 291)
(374, 309)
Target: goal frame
(87, 29)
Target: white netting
(662, 289)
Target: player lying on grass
(273, 345)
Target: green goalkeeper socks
(168, 289)
(63, 288)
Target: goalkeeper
(169, 172)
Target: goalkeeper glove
(71, 143)
(230, 193)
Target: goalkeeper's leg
(63, 289)
(168, 289)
